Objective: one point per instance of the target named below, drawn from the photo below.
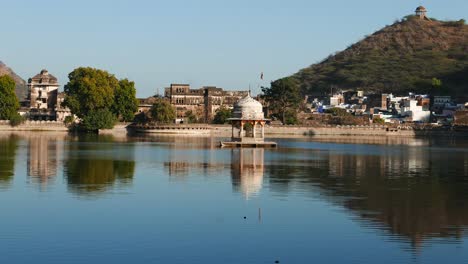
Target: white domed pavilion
(248, 125)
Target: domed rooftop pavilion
(421, 12)
(248, 124)
(248, 108)
(421, 9)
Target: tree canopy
(222, 115)
(282, 96)
(99, 98)
(162, 112)
(98, 119)
(125, 103)
(9, 103)
(90, 89)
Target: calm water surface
(89, 199)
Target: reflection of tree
(8, 147)
(93, 168)
(416, 195)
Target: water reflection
(247, 168)
(8, 148)
(93, 165)
(44, 151)
(414, 193)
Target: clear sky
(201, 42)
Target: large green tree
(89, 90)
(125, 103)
(98, 119)
(98, 98)
(163, 112)
(222, 115)
(282, 96)
(9, 103)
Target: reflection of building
(43, 151)
(177, 168)
(202, 102)
(247, 170)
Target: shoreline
(122, 129)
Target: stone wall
(34, 126)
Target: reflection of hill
(415, 193)
(93, 167)
(8, 147)
(247, 169)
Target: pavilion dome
(248, 108)
(421, 9)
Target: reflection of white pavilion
(248, 125)
(247, 170)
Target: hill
(21, 87)
(400, 58)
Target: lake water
(90, 199)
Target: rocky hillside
(406, 56)
(21, 87)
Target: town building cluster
(202, 102)
(412, 108)
(45, 102)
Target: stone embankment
(270, 131)
(34, 126)
(183, 129)
(372, 130)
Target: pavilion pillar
(254, 125)
(232, 134)
(241, 132)
(263, 130)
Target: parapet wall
(372, 130)
(34, 126)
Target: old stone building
(202, 102)
(42, 97)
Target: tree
(9, 103)
(436, 83)
(89, 90)
(125, 103)
(222, 115)
(16, 120)
(282, 96)
(98, 119)
(191, 117)
(162, 112)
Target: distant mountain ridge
(21, 89)
(400, 58)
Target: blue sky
(204, 42)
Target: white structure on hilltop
(421, 12)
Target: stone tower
(421, 12)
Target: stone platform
(238, 144)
